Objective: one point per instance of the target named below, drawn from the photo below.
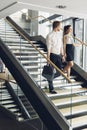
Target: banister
(48, 60)
(83, 43)
(6, 79)
(38, 17)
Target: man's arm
(48, 42)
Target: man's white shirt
(54, 41)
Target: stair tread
(6, 98)
(4, 102)
(11, 36)
(23, 48)
(58, 102)
(10, 105)
(74, 109)
(8, 34)
(79, 121)
(65, 92)
(63, 84)
(29, 57)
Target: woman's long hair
(66, 29)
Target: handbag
(48, 72)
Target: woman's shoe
(53, 92)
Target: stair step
(62, 85)
(26, 57)
(10, 39)
(23, 44)
(22, 48)
(7, 102)
(55, 81)
(74, 110)
(78, 122)
(18, 114)
(8, 30)
(17, 42)
(41, 78)
(70, 101)
(23, 52)
(11, 106)
(11, 36)
(6, 98)
(2, 86)
(14, 110)
(20, 119)
(62, 93)
(8, 34)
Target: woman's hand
(63, 58)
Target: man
(54, 41)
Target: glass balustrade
(33, 62)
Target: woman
(68, 49)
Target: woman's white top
(69, 39)
(54, 41)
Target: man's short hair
(56, 24)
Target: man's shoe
(53, 92)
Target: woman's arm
(64, 44)
(78, 44)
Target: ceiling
(74, 8)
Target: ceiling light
(61, 6)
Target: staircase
(71, 98)
(8, 102)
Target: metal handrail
(48, 60)
(38, 17)
(83, 43)
(6, 79)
